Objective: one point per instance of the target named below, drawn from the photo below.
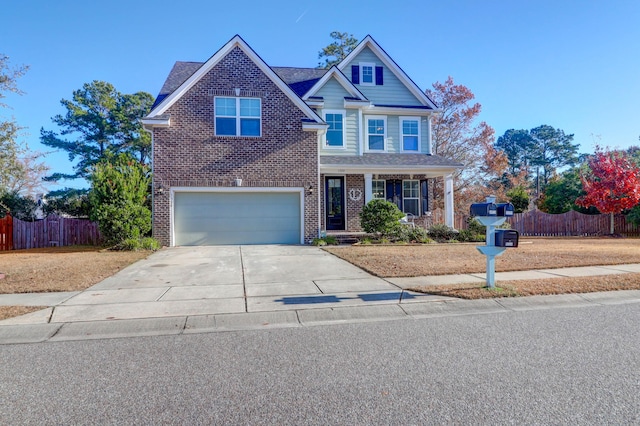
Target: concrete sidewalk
(201, 289)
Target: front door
(334, 202)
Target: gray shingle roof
(389, 159)
(299, 79)
(180, 72)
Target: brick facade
(355, 182)
(188, 154)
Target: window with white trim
(367, 76)
(376, 132)
(237, 116)
(411, 197)
(410, 134)
(378, 186)
(334, 138)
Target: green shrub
(135, 244)
(380, 217)
(442, 233)
(466, 235)
(326, 240)
(119, 190)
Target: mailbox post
(491, 215)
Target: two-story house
(245, 153)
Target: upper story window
(376, 132)
(238, 116)
(410, 133)
(378, 186)
(367, 74)
(334, 137)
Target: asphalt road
(560, 366)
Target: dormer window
(367, 74)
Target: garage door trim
(173, 191)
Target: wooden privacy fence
(6, 233)
(535, 223)
(53, 231)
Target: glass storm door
(334, 202)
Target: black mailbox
(506, 238)
(483, 209)
(504, 209)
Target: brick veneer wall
(354, 207)
(189, 154)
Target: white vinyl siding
(220, 218)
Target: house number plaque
(355, 194)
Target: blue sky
(571, 64)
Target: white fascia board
(316, 104)
(236, 41)
(390, 63)
(334, 72)
(429, 171)
(150, 123)
(356, 104)
(319, 127)
(398, 111)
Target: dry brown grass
(14, 311)
(533, 253)
(536, 287)
(60, 268)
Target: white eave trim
(150, 123)
(316, 103)
(429, 171)
(350, 103)
(390, 63)
(399, 111)
(236, 41)
(319, 127)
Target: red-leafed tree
(612, 184)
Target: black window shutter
(379, 76)
(355, 74)
(424, 194)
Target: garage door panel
(212, 218)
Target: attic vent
(239, 93)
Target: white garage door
(215, 218)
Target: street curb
(198, 324)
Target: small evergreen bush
(381, 217)
(442, 233)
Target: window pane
(249, 127)
(378, 189)
(226, 106)
(411, 189)
(410, 143)
(334, 132)
(225, 126)
(376, 127)
(376, 143)
(250, 107)
(411, 206)
(410, 127)
(367, 74)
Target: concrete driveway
(228, 279)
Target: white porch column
(448, 200)
(368, 187)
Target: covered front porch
(347, 183)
